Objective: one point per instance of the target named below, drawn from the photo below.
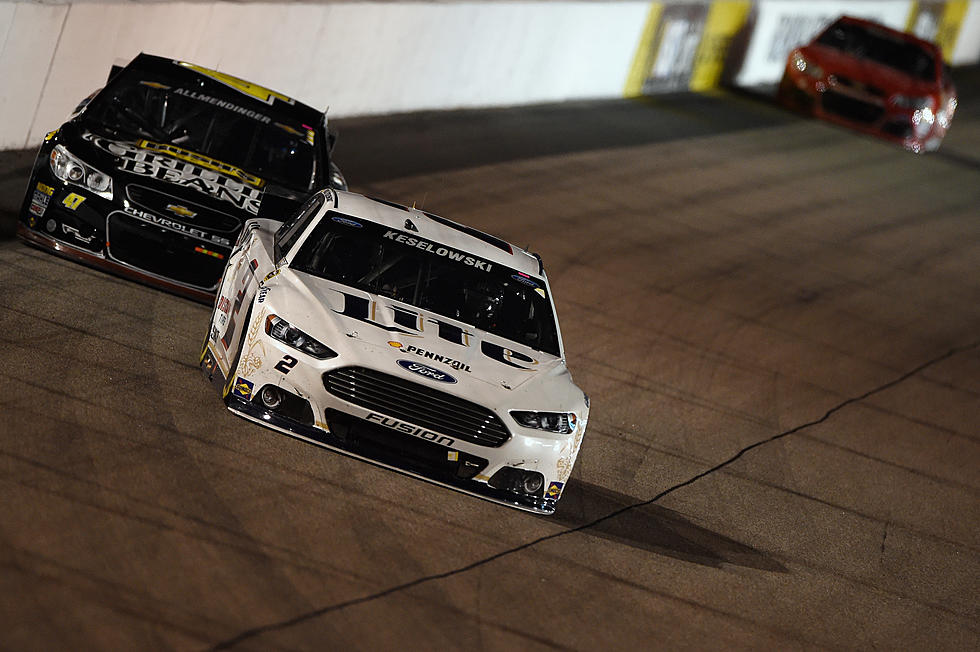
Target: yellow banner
(725, 19)
(643, 59)
(949, 26)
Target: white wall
(358, 58)
(363, 58)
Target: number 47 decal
(286, 364)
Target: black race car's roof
(227, 87)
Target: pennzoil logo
(458, 365)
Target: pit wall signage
(185, 168)
(700, 46)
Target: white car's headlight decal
(562, 423)
(280, 329)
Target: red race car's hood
(885, 78)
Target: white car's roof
(438, 229)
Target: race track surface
(778, 323)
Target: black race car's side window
(292, 228)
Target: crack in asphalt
(310, 615)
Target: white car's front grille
(418, 404)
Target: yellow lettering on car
(254, 90)
(203, 161)
(73, 201)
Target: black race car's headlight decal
(281, 330)
(561, 422)
(69, 168)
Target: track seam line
(258, 631)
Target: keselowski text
(439, 250)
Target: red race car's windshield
(881, 47)
(137, 108)
(431, 276)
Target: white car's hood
(399, 339)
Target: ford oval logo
(347, 222)
(426, 370)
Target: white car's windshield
(432, 276)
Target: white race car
(403, 338)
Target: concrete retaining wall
(384, 57)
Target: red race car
(875, 79)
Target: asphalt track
(778, 323)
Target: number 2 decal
(286, 364)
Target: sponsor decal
(673, 47)
(47, 190)
(240, 85)
(453, 456)
(72, 231)
(438, 250)
(72, 201)
(243, 388)
(263, 292)
(39, 203)
(181, 211)
(429, 355)
(554, 490)
(363, 310)
(231, 106)
(409, 429)
(346, 221)
(271, 274)
(187, 169)
(224, 305)
(207, 252)
(203, 161)
(525, 279)
(426, 371)
(178, 227)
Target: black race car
(154, 175)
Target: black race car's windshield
(138, 108)
(431, 276)
(881, 47)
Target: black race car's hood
(170, 186)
